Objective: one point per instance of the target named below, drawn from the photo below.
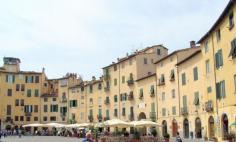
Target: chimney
(93, 78)
(43, 70)
(127, 54)
(192, 44)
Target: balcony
(153, 116)
(99, 117)
(152, 93)
(64, 100)
(106, 118)
(131, 116)
(90, 118)
(63, 115)
(107, 88)
(131, 96)
(209, 106)
(107, 102)
(184, 111)
(130, 82)
(161, 83)
(172, 76)
(28, 114)
(141, 96)
(106, 76)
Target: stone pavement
(39, 139)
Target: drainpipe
(119, 93)
(156, 97)
(178, 85)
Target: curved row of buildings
(192, 90)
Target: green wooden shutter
(223, 89)
(217, 60)
(218, 90)
(184, 101)
(220, 58)
(7, 78)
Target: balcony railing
(106, 76)
(141, 96)
(130, 82)
(63, 100)
(107, 102)
(131, 96)
(107, 88)
(209, 106)
(28, 113)
(184, 111)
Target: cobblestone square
(40, 139)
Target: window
(17, 103)
(163, 111)
(233, 49)
(183, 79)
(123, 111)
(22, 87)
(152, 107)
(145, 61)
(73, 103)
(45, 99)
(36, 79)
(16, 118)
(115, 82)
(27, 118)
(91, 101)
(8, 109)
(218, 35)
(17, 87)
(207, 67)
(36, 92)
(234, 83)
(185, 101)
(115, 112)
(206, 47)
(173, 110)
(172, 75)
(36, 108)
(173, 93)
(28, 93)
(123, 79)
(196, 98)
(21, 118)
(90, 112)
(45, 108)
(9, 92)
(130, 61)
(90, 88)
(53, 118)
(107, 113)
(158, 51)
(115, 67)
(195, 74)
(10, 78)
(209, 90)
(36, 118)
(115, 98)
(219, 59)
(29, 79)
(141, 93)
(54, 99)
(28, 109)
(231, 21)
(54, 108)
(45, 118)
(220, 89)
(99, 86)
(163, 96)
(22, 103)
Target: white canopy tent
(33, 125)
(144, 123)
(56, 125)
(116, 123)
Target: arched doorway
(164, 128)
(142, 130)
(198, 128)
(225, 126)
(141, 116)
(174, 128)
(186, 128)
(211, 127)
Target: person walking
(88, 138)
(178, 138)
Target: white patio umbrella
(73, 125)
(33, 125)
(143, 123)
(99, 125)
(85, 124)
(56, 125)
(116, 123)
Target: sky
(82, 36)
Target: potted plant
(167, 137)
(154, 132)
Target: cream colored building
(168, 100)
(20, 94)
(218, 47)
